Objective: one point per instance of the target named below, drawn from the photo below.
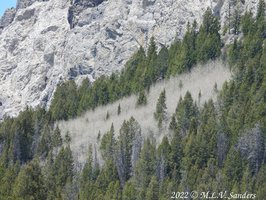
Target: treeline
(141, 71)
(218, 147)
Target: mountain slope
(84, 130)
(215, 148)
(46, 42)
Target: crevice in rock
(77, 7)
(112, 34)
(70, 17)
(79, 70)
(50, 28)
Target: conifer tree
(146, 166)
(208, 44)
(160, 113)
(142, 98)
(151, 55)
(173, 123)
(8, 176)
(185, 113)
(176, 157)
(129, 191)
(108, 143)
(107, 115)
(65, 101)
(164, 160)
(56, 138)
(233, 168)
(83, 96)
(63, 167)
(30, 183)
(150, 71)
(45, 143)
(119, 110)
(127, 149)
(247, 24)
(261, 10)
(236, 22)
(161, 65)
(153, 190)
(88, 176)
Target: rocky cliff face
(7, 18)
(44, 42)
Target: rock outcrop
(7, 18)
(47, 42)
(26, 3)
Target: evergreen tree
(208, 44)
(30, 183)
(56, 138)
(173, 124)
(233, 167)
(25, 132)
(153, 190)
(176, 155)
(151, 55)
(160, 113)
(63, 167)
(161, 65)
(189, 43)
(108, 144)
(108, 175)
(65, 101)
(164, 160)
(107, 115)
(125, 159)
(45, 142)
(142, 98)
(83, 96)
(88, 177)
(8, 176)
(247, 24)
(150, 71)
(145, 167)
(173, 53)
(119, 110)
(186, 111)
(236, 22)
(129, 191)
(261, 10)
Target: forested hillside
(203, 82)
(219, 146)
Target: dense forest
(218, 147)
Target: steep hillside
(165, 147)
(45, 42)
(84, 130)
